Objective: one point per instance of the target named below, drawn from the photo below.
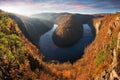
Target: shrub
(2, 34)
(113, 42)
(10, 56)
(101, 56)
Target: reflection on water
(53, 52)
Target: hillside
(52, 17)
(32, 28)
(67, 32)
(19, 58)
(101, 58)
(69, 26)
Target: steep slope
(99, 56)
(32, 28)
(19, 59)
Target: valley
(88, 47)
(53, 52)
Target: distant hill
(32, 28)
(52, 17)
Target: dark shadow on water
(53, 52)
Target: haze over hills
(32, 28)
(35, 26)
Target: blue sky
(28, 7)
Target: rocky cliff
(97, 24)
(113, 71)
(101, 58)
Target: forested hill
(19, 58)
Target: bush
(11, 46)
(10, 56)
(101, 56)
(113, 42)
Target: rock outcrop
(69, 31)
(102, 57)
(97, 23)
(113, 72)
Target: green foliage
(1, 46)
(16, 62)
(11, 47)
(10, 56)
(2, 34)
(101, 56)
(113, 42)
(4, 40)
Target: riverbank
(53, 52)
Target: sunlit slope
(19, 59)
(101, 59)
(32, 28)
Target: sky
(28, 7)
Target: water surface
(53, 52)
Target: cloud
(36, 6)
(105, 4)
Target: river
(53, 52)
